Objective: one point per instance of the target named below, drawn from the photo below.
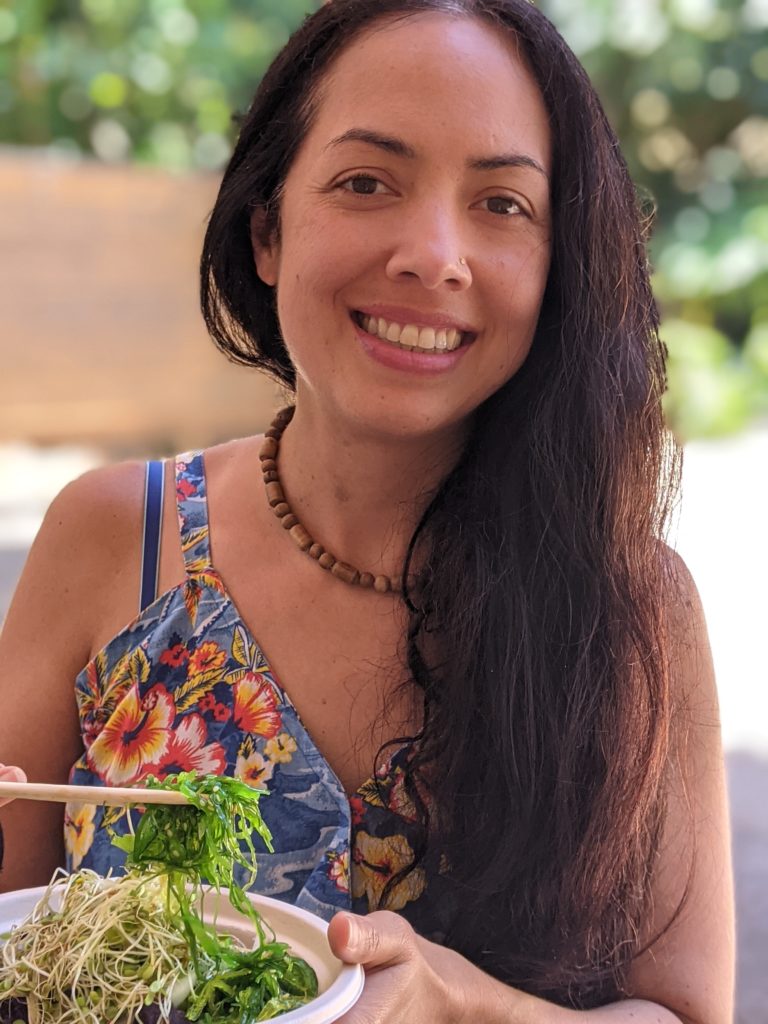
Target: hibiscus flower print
(280, 749)
(254, 769)
(187, 751)
(376, 861)
(136, 734)
(255, 708)
(338, 868)
(78, 831)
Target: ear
(266, 248)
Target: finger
(10, 773)
(378, 940)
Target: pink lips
(388, 354)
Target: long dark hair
(547, 712)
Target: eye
(361, 185)
(504, 206)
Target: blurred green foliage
(685, 83)
(155, 81)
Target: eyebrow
(386, 142)
(495, 163)
(391, 144)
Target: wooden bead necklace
(290, 522)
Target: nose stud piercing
(462, 261)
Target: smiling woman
(423, 224)
(489, 729)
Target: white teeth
(426, 338)
(409, 336)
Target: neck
(361, 492)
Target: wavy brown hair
(547, 710)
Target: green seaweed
(201, 844)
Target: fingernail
(354, 934)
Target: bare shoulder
(690, 965)
(107, 499)
(692, 678)
(234, 483)
(682, 599)
(94, 524)
(87, 546)
(238, 457)
(80, 572)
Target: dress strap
(192, 508)
(153, 521)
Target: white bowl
(339, 984)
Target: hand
(407, 978)
(10, 773)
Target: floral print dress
(185, 687)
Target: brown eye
(503, 205)
(361, 184)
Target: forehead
(436, 76)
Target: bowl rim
(339, 997)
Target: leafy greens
(137, 947)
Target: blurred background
(116, 118)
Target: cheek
(520, 283)
(532, 264)
(320, 262)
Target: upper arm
(83, 560)
(690, 967)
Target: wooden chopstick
(112, 796)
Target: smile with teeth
(411, 337)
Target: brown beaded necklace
(289, 521)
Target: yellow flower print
(280, 749)
(253, 769)
(137, 733)
(78, 831)
(256, 709)
(375, 861)
(338, 869)
(207, 659)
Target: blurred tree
(685, 83)
(150, 80)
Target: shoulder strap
(153, 520)
(192, 508)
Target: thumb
(378, 940)
(10, 773)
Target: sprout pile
(136, 948)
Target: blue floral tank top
(185, 687)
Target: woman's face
(415, 230)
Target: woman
(426, 233)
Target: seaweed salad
(135, 948)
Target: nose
(429, 249)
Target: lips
(433, 338)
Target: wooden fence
(101, 339)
